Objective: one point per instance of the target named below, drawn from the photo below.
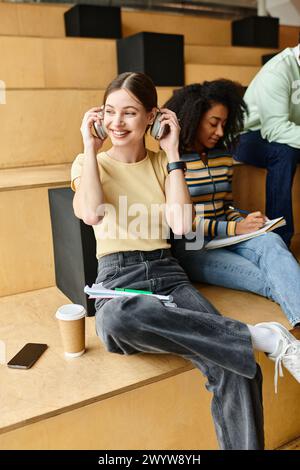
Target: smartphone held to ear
(156, 130)
(27, 356)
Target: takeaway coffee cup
(71, 320)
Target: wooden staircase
(50, 82)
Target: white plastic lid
(70, 312)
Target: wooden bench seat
(107, 401)
(35, 177)
(99, 385)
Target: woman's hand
(170, 142)
(251, 223)
(88, 135)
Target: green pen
(134, 291)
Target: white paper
(98, 291)
(226, 241)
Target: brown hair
(139, 84)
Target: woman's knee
(271, 240)
(108, 318)
(120, 316)
(223, 379)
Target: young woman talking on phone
(220, 348)
(211, 116)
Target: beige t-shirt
(134, 203)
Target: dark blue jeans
(219, 347)
(280, 160)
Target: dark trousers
(280, 160)
(219, 347)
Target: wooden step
(48, 406)
(57, 395)
(57, 63)
(225, 55)
(47, 125)
(288, 36)
(26, 248)
(32, 19)
(249, 185)
(35, 177)
(196, 29)
(195, 73)
(22, 64)
(295, 246)
(47, 20)
(293, 445)
(80, 63)
(26, 251)
(53, 63)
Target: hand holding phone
(27, 356)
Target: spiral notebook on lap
(226, 241)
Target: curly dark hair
(191, 102)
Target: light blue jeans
(262, 265)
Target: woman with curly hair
(211, 117)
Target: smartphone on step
(27, 356)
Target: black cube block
(158, 55)
(265, 58)
(93, 21)
(74, 249)
(256, 31)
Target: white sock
(264, 339)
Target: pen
(241, 211)
(134, 291)
(167, 303)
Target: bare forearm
(88, 200)
(179, 205)
(179, 193)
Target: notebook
(226, 241)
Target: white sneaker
(287, 353)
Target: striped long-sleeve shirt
(210, 188)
